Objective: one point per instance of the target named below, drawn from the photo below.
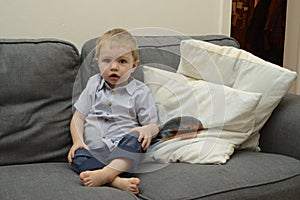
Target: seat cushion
(51, 181)
(247, 175)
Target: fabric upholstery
(245, 173)
(48, 181)
(36, 78)
(280, 135)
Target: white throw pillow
(218, 107)
(212, 146)
(241, 70)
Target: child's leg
(105, 175)
(123, 158)
(110, 175)
(129, 148)
(83, 160)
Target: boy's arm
(146, 133)
(76, 129)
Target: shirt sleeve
(85, 100)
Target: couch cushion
(247, 175)
(238, 69)
(162, 49)
(283, 125)
(50, 181)
(166, 49)
(36, 78)
(216, 106)
(229, 115)
(158, 51)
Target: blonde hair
(118, 35)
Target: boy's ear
(135, 64)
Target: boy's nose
(114, 65)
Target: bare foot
(99, 178)
(126, 184)
(95, 178)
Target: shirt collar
(130, 87)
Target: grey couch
(36, 93)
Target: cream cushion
(241, 70)
(229, 115)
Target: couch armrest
(281, 133)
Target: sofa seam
(244, 187)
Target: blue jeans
(128, 148)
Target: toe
(82, 175)
(136, 181)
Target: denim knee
(83, 160)
(130, 143)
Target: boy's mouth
(114, 76)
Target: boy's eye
(123, 61)
(106, 60)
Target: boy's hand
(146, 133)
(73, 149)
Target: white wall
(80, 20)
(292, 41)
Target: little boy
(115, 117)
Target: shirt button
(103, 136)
(110, 104)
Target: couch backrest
(156, 51)
(36, 82)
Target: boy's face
(116, 63)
